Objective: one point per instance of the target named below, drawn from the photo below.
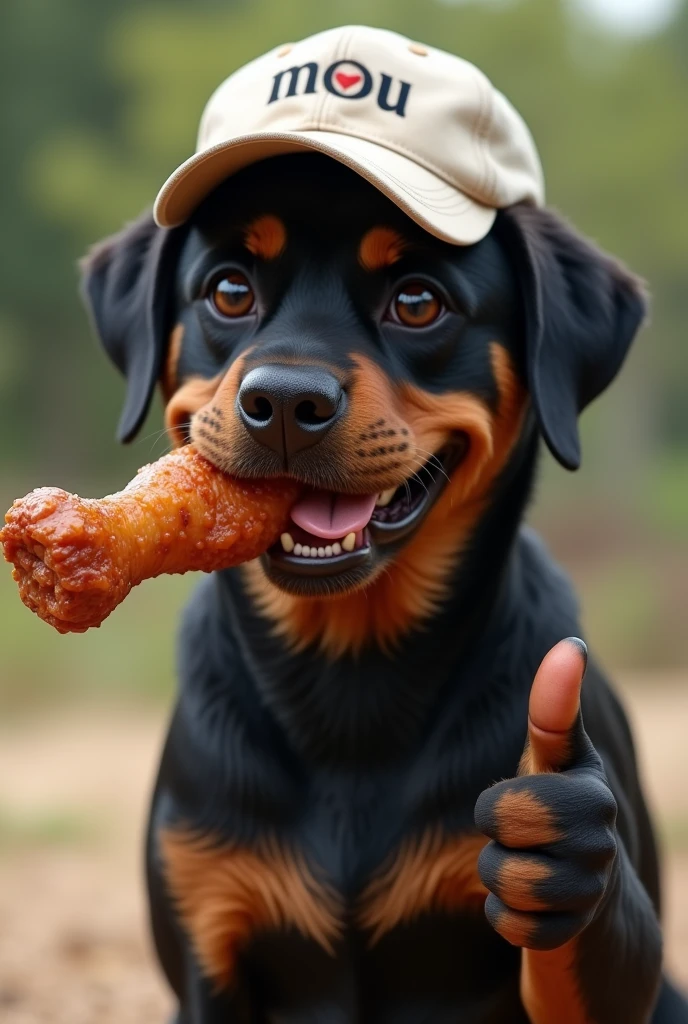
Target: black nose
(289, 408)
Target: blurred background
(100, 101)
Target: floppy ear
(127, 285)
(582, 311)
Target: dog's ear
(582, 310)
(127, 285)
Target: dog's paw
(553, 828)
(551, 856)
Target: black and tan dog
(355, 817)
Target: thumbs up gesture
(552, 828)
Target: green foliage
(665, 496)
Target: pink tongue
(331, 516)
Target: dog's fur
(313, 846)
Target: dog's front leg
(560, 883)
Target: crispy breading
(75, 559)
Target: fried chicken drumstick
(75, 559)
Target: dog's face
(303, 325)
(320, 333)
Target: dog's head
(302, 324)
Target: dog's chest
(351, 871)
(400, 931)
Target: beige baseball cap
(425, 127)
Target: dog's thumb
(555, 725)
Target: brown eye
(232, 295)
(416, 305)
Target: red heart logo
(346, 81)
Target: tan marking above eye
(381, 247)
(266, 237)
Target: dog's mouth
(336, 541)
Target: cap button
(420, 51)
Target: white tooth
(328, 551)
(349, 542)
(287, 542)
(336, 548)
(298, 549)
(306, 551)
(385, 498)
(321, 552)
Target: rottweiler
(384, 796)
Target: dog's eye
(232, 295)
(416, 305)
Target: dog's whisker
(414, 476)
(156, 434)
(432, 460)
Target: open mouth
(337, 539)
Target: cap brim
(440, 208)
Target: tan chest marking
(225, 895)
(432, 873)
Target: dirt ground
(73, 789)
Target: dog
(384, 796)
